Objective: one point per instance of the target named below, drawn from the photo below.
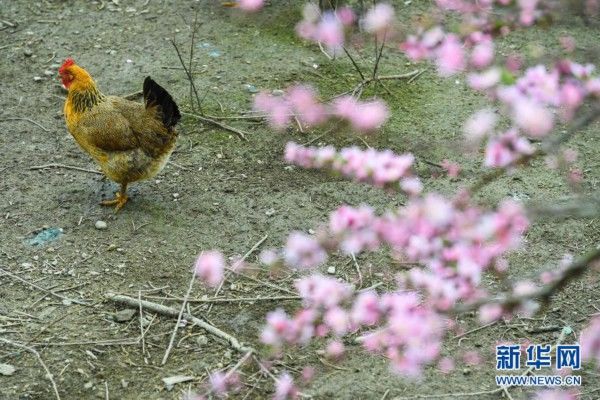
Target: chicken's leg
(119, 200)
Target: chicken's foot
(119, 200)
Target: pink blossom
(590, 341)
(337, 320)
(450, 56)
(555, 394)
(209, 267)
(452, 168)
(285, 388)
(472, 358)
(484, 80)
(490, 312)
(305, 105)
(268, 257)
(303, 251)
(345, 15)
(480, 124)
(506, 149)
(330, 31)
(369, 116)
(335, 350)
(318, 291)
(365, 310)
(278, 110)
(482, 54)
(533, 118)
(379, 18)
(250, 5)
(446, 365)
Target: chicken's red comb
(68, 62)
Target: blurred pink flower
(335, 350)
(590, 341)
(450, 56)
(535, 119)
(303, 251)
(482, 54)
(250, 5)
(446, 365)
(480, 124)
(285, 388)
(379, 18)
(209, 267)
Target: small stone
(175, 195)
(270, 211)
(27, 52)
(26, 265)
(124, 315)
(124, 383)
(466, 371)
(278, 92)
(38, 78)
(101, 225)
(88, 385)
(331, 270)
(48, 73)
(7, 369)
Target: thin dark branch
(187, 72)
(571, 272)
(191, 66)
(548, 146)
(240, 133)
(378, 55)
(354, 63)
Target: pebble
(7, 369)
(331, 270)
(124, 315)
(27, 51)
(101, 225)
(202, 340)
(37, 78)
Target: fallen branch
(91, 171)
(183, 304)
(43, 364)
(171, 312)
(240, 133)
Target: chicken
(129, 140)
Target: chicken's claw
(119, 201)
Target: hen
(129, 140)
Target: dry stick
(239, 262)
(60, 296)
(190, 68)
(574, 270)
(91, 171)
(241, 134)
(142, 339)
(25, 119)
(230, 300)
(378, 59)
(187, 295)
(171, 312)
(187, 72)
(360, 279)
(32, 350)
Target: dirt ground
(221, 192)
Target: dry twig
(171, 312)
(43, 364)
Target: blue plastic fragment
(45, 236)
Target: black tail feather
(155, 95)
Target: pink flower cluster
(406, 331)
(301, 102)
(380, 168)
(448, 50)
(327, 28)
(379, 19)
(502, 151)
